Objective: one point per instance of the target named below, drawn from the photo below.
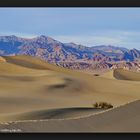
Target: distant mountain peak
(43, 36)
(71, 43)
(45, 39)
(52, 50)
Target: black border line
(70, 136)
(69, 3)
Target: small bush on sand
(102, 105)
(96, 74)
(110, 106)
(95, 105)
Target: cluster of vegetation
(102, 105)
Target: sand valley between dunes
(36, 96)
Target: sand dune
(121, 74)
(52, 114)
(122, 119)
(108, 75)
(33, 89)
(126, 75)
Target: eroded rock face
(71, 55)
(53, 50)
(134, 66)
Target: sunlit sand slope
(121, 74)
(33, 89)
(108, 75)
(121, 119)
(126, 75)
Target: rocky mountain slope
(71, 55)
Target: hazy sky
(87, 26)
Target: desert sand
(37, 96)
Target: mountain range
(71, 55)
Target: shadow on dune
(62, 113)
(70, 85)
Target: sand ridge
(105, 121)
(33, 89)
(122, 74)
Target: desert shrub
(96, 74)
(95, 105)
(102, 105)
(110, 106)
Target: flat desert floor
(39, 97)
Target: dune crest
(122, 74)
(34, 89)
